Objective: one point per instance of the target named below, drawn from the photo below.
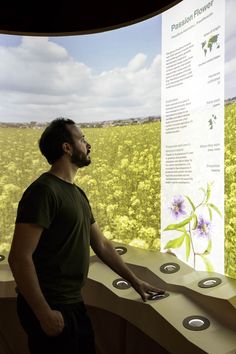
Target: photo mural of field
(230, 190)
(122, 183)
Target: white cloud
(230, 29)
(40, 81)
(40, 66)
(137, 62)
(230, 82)
(41, 50)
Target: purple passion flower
(203, 228)
(177, 207)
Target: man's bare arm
(25, 241)
(107, 253)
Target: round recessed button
(2, 257)
(157, 296)
(209, 282)
(121, 284)
(169, 268)
(196, 323)
(121, 250)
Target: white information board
(192, 170)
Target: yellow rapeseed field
(122, 183)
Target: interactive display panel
(193, 52)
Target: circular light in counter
(2, 257)
(169, 268)
(121, 250)
(156, 296)
(196, 323)
(209, 282)
(121, 284)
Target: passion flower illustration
(178, 206)
(194, 224)
(203, 227)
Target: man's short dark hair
(53, 137)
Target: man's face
(81, 148)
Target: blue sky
(108, 75)
(106, 50)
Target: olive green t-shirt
(61, 258)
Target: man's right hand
(52, 323)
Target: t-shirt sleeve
(92, 219)
(37, 206)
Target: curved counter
(197, 315)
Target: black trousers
(77, 336)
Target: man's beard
(79, 159)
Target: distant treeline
(117, 122)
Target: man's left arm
(105, 250)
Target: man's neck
(64, 171)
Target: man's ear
(67, 148)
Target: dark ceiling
(67, 17)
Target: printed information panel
(192, 185)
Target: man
(49, 256)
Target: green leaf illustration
(210, 212)
(188, 245)
(191, 203)
(179, 225)
(176, 243)
(208, 192)
(209, 247)
(215, 208)
(209, 266)
(195, 222)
